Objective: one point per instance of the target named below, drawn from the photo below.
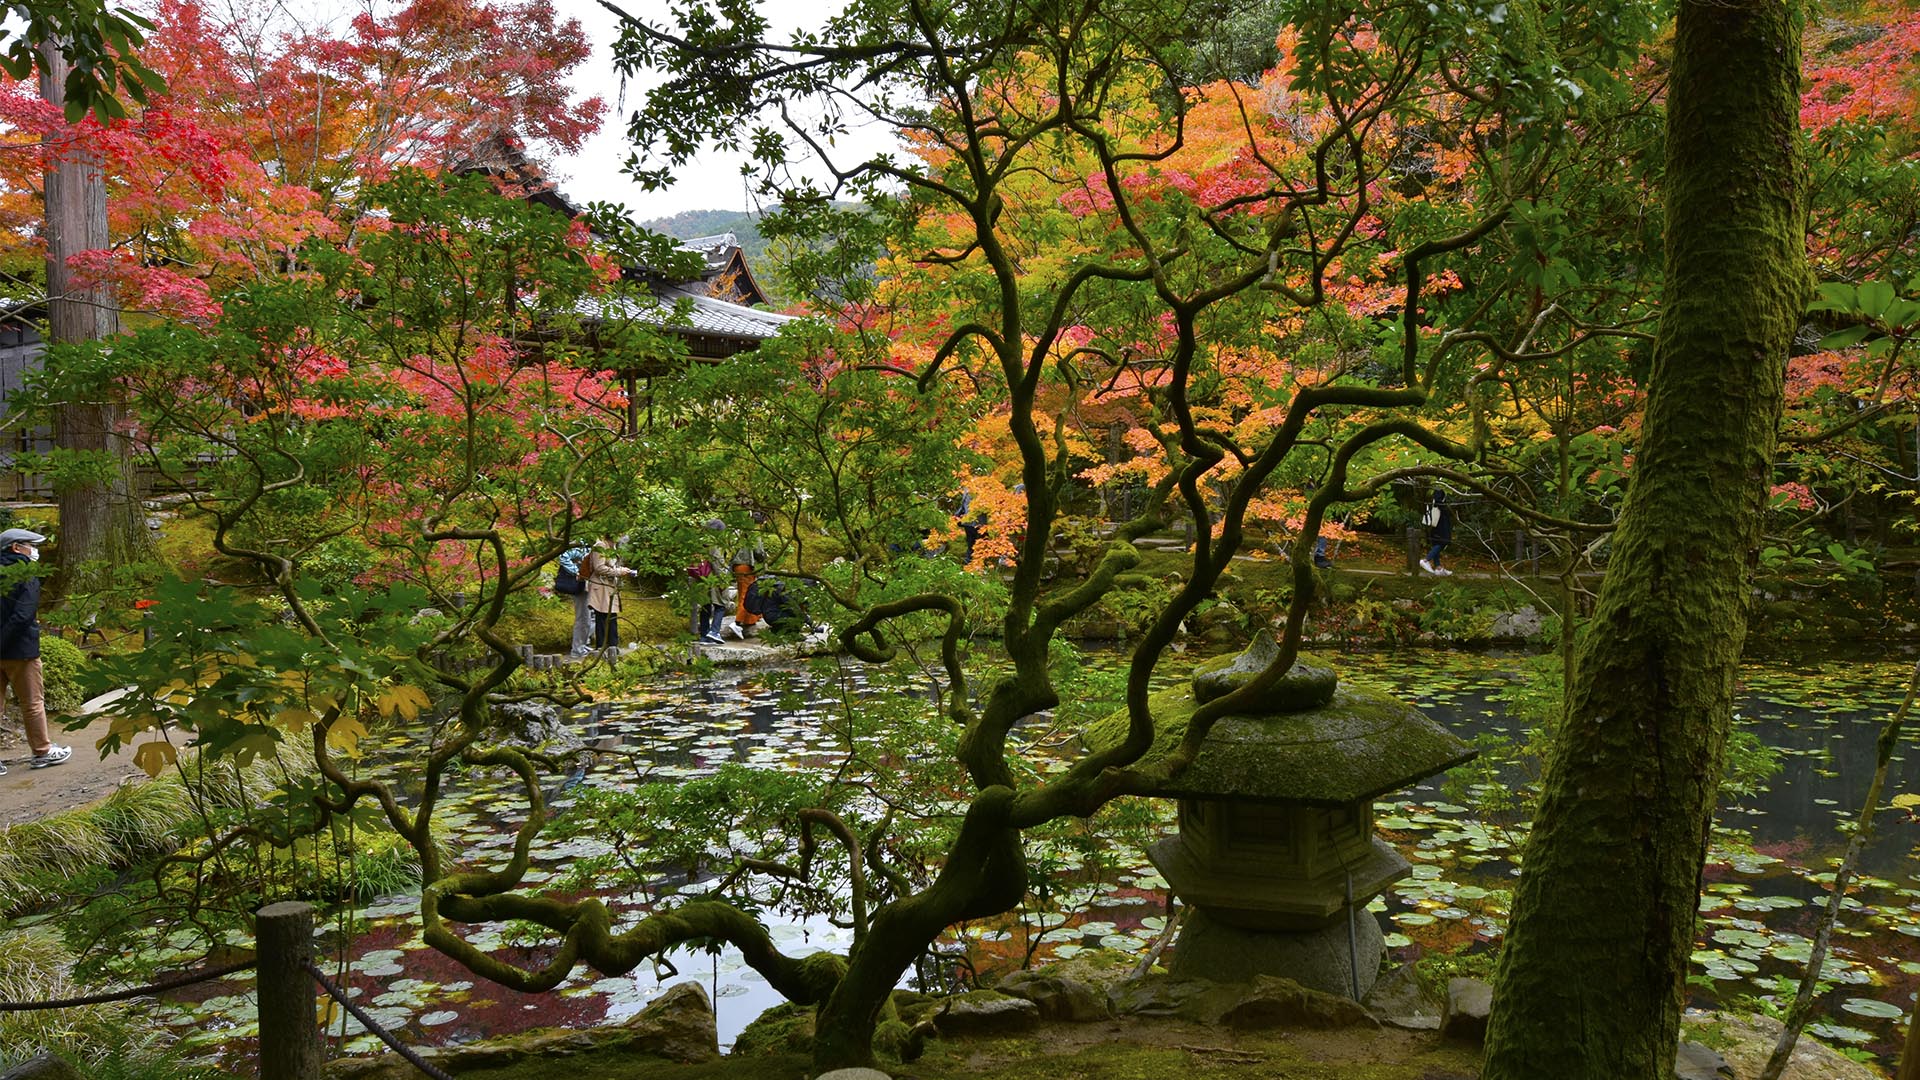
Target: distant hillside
(743, 224)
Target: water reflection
(1761, 904)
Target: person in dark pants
(603, 575)
(20, 647)
(1439, 519)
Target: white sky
(711, 183)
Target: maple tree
(267, 130)
(264, 136)
(1064, 259)
(388, 448)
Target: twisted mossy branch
(879, 652)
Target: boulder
(985, 1012)
(1696, 1062)
(530, 722)
(1102, 969)
(1399, 1001)
(1469, 1001)
(677, 1026)
(1271, 1002)
(1058, 997)
(784, 1029)
(1523, 624)
(1304, 686)
(44, 1067)
(853, 1074)
(1168, 995)
(1745, 1043)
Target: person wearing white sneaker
(20, 644)
(1439, 521)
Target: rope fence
(285, 978)
(368, 1022)
(126, 995)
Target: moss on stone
(1360, 745)
(784, 1029)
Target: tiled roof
(705, 315)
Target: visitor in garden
(1439, 522)
(603, 574)
(770, 604)
(710, 590)
(1320, 558)
(20, 647)
(971, 525)
(568, 582)
(746, 562)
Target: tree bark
(100, 520)
(1590, 984)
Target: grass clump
(106, 1042)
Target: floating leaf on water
(1873, 1007)
(1840, 1033)
(435, 1019)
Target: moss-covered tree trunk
(1590, 984)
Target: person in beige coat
(603, 573)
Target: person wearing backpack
(570, 583)
(1439, 522)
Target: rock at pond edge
(1469, 1002)
(985, 1012)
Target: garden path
(27, 794)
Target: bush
(62, 669)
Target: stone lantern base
(1322, 959)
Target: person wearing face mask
(20, 646)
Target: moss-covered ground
(1136, 1049)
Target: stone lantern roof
(1316, 744)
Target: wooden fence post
(1416, 548)
(289, 1028)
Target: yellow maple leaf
(154, 756)
(294, 721)
(1906, 802)
(345, 734)
(404, 701)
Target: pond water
(1766, 881)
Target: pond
(1765, 883)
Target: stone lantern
(1276, 853)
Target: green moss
(544, 622)
(1360, 745)
(1433, 970)
(784, 1029)
(652, 619)
(616, 1065)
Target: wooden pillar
(633, 404)
(289, 1029)
(1416, 548)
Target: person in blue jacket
(20, 647)
(570, 560)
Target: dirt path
(27, 794)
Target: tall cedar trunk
(1590, 983)
(98, 521)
